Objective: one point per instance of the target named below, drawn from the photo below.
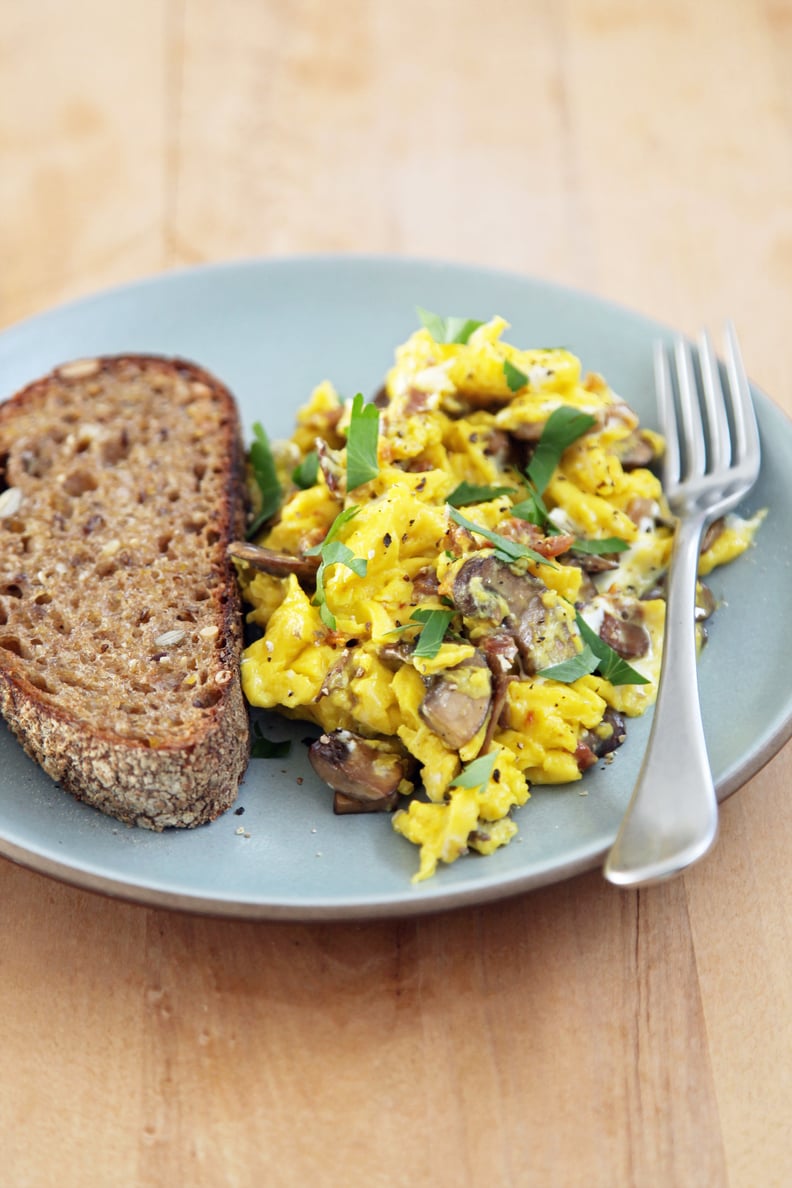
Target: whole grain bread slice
(121, 486)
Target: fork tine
(714, 402)
(692, 428)
(667, 413)
(745, 427)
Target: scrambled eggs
(461, 584)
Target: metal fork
(711, 461)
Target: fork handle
(672, 818)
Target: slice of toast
(121, 485)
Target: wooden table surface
(578, 1035)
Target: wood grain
(577, 1036)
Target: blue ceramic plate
(272, 329)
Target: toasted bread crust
(121, 485)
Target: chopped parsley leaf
(447, 330)
(564, 426)
(334, 552)
(338, 523)
(609, 544)
(467, 493)
(362, 438)
(569, 670)
(430, 637)
(262, 464)
(515, 378)
(505, 549)
(434, 624)
(611, 665)
(533, 510)
(595, 656)
(306, 474)
(477, 773)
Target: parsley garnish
(533, 510)
(563, 426)
(477, 773)
(262, 464)
(467, 493)
(266, 748)
(334, 552)
(306, 474)
(362, 438)
(452, 330)
(596, 654)
(430, 637)
(505, 549)
(338, 523)
(569, 670)
(609, 544)
(611, 665)
(515, 378)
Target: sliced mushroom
(426, 582)
(593, 562)
(451, 709)
(332, 466)
(337, 676)
(636, 451)
(418, 401)
(524, 532)
(712, 533)
(361, 770)
(604, 746)
(594, 745)
(269, 561)
(641, 509)
(500, 652)
(344, 805)
(393, 655)
(705, 602)
(486, 588)
(625, 634)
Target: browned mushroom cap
(360, 769)
(625, 633)
(332, 466)
(486, 588)
(712, 533)
(278, 564)
(393, 655)
(426, 582)
(604, 746)
(343, 804)
(595, 744)
(451, 708)
(636, 450)
(705, 602)
(593, 562)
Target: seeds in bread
(121, 486)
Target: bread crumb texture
(120, 626)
